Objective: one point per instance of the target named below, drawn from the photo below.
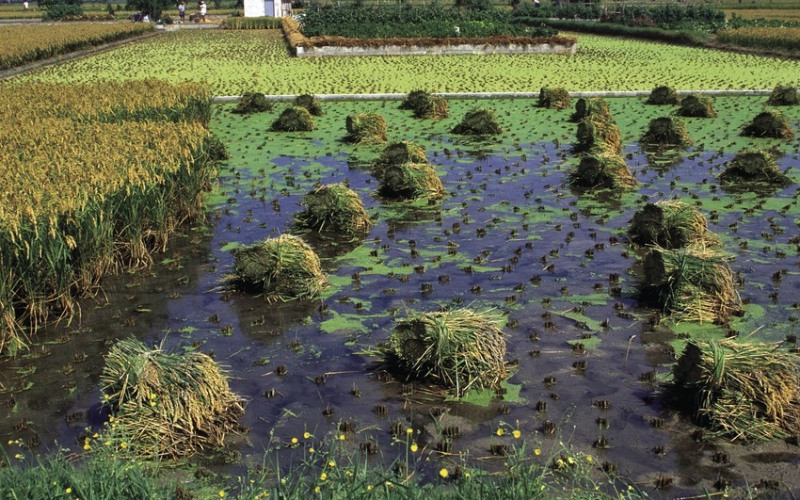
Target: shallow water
(510, 236)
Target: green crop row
(236, 61)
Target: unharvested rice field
(236, 62)
(550, 262)
(765, 38)
(23, 44)
(95, 177)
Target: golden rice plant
(23, 44)
(784, 38)
(90, 190)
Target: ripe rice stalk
(754, 166)
(294, 119)
(309, 102)
(334, 208)
(783, 95)
(741, 391)
(604, 170)
(367, 128)
(170, 404)
(479, 121)
(666, 131)
(459, 349)
(91, 194)
(663, 95)
(694, 283)
(670, 224)
(770, 123)
(553, 98)
(699, 106)
(283, 268)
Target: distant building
(266, 8)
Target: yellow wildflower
(516, 433)
(414, 447)
(443, 473)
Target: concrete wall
(413, 50)
(499, 95)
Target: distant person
(537, 3)
(203, 10)
(25, 4)
(182, 11)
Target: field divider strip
(497, 95)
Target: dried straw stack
(693, 283)
(670, 224)
(741, 390)
(167, 405)
(334, 208)
(459, 349)
(283, 268)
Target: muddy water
(510, 237)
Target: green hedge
(407, 20)
(683, 37)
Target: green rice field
(236, 62)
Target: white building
(265, 8)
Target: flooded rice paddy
(510, 237)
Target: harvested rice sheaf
(167, 405)
(459, 349)
(694, 283)
(368, 128)
(666, 131)
(591, 107)
(334, 208)
(596, 132)
(409, 181)
(398, 153)
(754, 165)
(670, 224)
(309, 102)
(553, 98)
(741, 391)
(698, 106)
(294, 119)
(601, 169)
(479, 121)
(770, 123)
(663, 95)
(252, 102)
(413, 99)
(783, 95)
(283, 268)
(431, 107)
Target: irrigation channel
(510, 236)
